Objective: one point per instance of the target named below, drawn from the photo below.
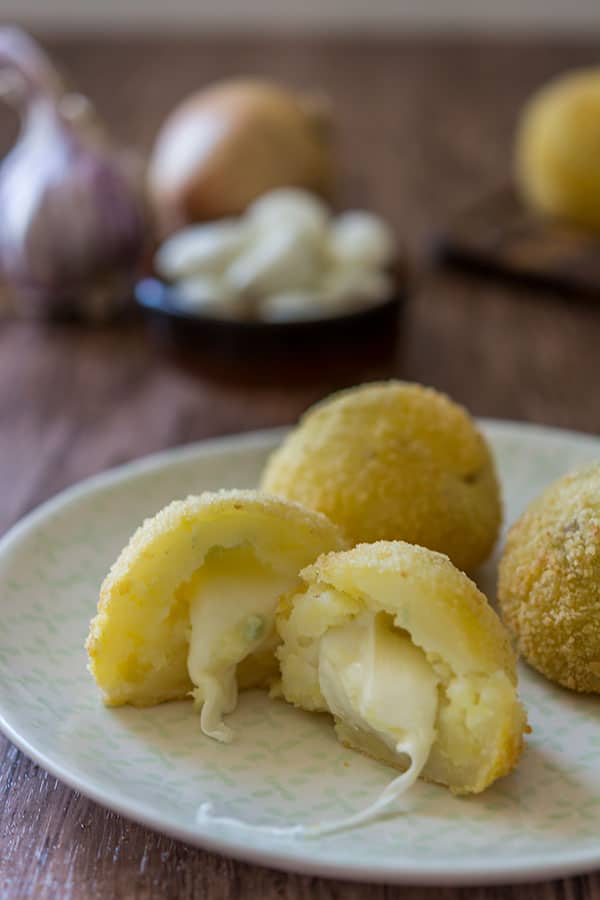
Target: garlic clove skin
(200, 250)
(71, 229)
(72, 223)
(291, 208)
(292, 306)
(359, 238)
(282, 260)
(22, 57)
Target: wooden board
(500, 236)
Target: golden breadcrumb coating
(139, 640)
(549, 581)
(394, 461)
(480, 721)
(557, 148)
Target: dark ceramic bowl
(254, 339)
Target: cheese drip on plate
(232, 608)
(374, 680)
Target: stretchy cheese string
(380, 805)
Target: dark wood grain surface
(424, 126)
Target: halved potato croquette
(189, 605)
(549, 581)
(394, 461)
(410, 658)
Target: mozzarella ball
(210, 295)
(348, 287)
(292, 306)
(200, 250)
(279, 260)
(361, 239)
(289, 207)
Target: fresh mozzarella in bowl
(279, 259)
(200, 250)
(286, 259)
(361, 239)
(289, 207)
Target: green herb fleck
(254, 627)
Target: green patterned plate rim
(155, 767)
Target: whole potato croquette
(394, 461)
(409, 657)
(549, 581)
(557, 148)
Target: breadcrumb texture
(138, 642)
(549, 581)
(557, 148)
(480, 722)
(394, 461)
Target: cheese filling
(378, 684)
(232, 611)
(375, 680)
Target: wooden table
(424, 126)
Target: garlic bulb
(71, 228)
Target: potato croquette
(557, 148)
(413, 663)
(189, 605)
(394, 461)
(549, 581)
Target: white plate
(286, 766)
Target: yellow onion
(223, 147)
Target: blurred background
(343, 15)
(456, 277)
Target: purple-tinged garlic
(71, 229)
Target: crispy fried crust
(394, 461)
(549, 581)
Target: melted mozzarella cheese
(232, 612)
(374, 679)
